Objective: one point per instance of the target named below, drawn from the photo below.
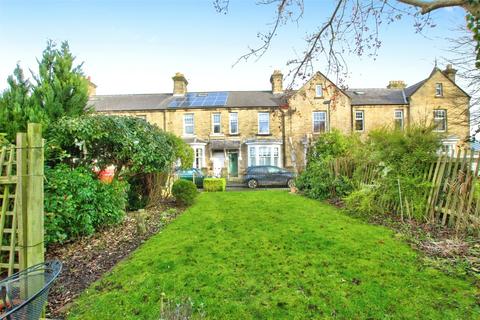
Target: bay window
(264, 155)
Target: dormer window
(318, 91)
(438, 90)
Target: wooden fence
(21, 202)
(452, 198)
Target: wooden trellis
(21, 202)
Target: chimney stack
(396, 84)
(92, 87)
(179, 84)
(450, 72)
(276, 80)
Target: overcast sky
(137, 46)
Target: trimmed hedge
(214, 184)
(184, 192)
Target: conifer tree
(59, 89)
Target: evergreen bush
(77, 203)
(184, 192)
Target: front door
(218, 159)
(233, 164)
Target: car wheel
(291, 183)
(252, 183)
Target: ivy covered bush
(184, 192)
(77, 203)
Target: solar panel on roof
(200, 100)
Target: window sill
(264, 134)
(234, 134)
(439, 96)
(217, 135)
(322, 97)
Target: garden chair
(23, 295)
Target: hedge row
(214, 184)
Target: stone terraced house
(231, 130)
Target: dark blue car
(268, 176)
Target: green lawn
(273, 255)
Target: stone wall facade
(317, 107)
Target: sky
(137, 46)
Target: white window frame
(438, 89)
(268, 122)
(185, 124)
(324, 120)
(443, 118)
(273, 151)
(396, 117)
(449, 147)
(198, 147)
(235, 119)
(319, 89)
(362, 118)
(219, 124)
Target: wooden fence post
(21, 198)
(35, 224)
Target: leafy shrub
(317, 180)
(395, 158)
(77, 204)
(214, 184)
(362, 202)
(184, 192)
(128, 143)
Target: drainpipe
(328, 102)
(284, 142)
(164, 120)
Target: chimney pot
(276, 79)
(450, 72)
(396, 84)
(179, 84)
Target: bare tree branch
(429, 6)
(352, 26)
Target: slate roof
(128, 102)
(161, 101)
(413, 88)
(375, 96)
